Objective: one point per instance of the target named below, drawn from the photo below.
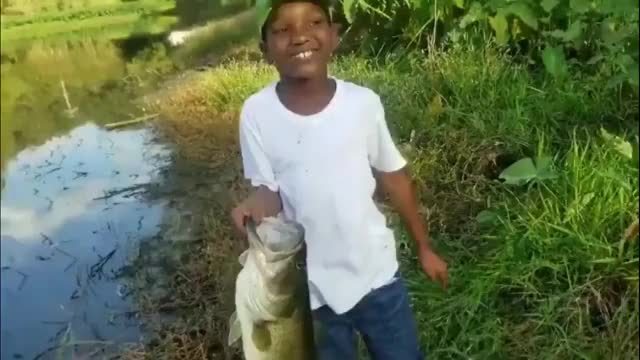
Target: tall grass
(539, 271)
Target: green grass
(28, 7)
(112, 27)
(549, 276)
(141, 7)
(107, 21)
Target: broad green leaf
(609, 31)
(501, 28)
(581, 6)
(475, 13)
(549, 5)
(621, 145)
(618, 7)
(554, 61)
(486, 217)
(571, 34)
(348, 7)
(524, 12)
(520, 172)
(543, 168)
(459, 3)
(595, 59)
(574, 31)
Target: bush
(556, 34)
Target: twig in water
(113, 193)
(140, 119)
(70, 110)
(97, 267)
(47, 173)
(80, 174)
(46, 240)
(24, 279)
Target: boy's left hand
(433, 266)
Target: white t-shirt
(321, 165)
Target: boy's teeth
(303, 55)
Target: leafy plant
(526, 170)
(553, 33)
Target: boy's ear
(265, 53)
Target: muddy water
(66, 231)
(73, 205)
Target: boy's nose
(300, 37)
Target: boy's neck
(292, 87)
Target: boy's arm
(265, 199)
(390, 166)
(402, 193)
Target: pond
(73, 212)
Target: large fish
(272, 315)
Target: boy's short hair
(265, 10)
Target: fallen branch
(119, 124)
(109, 194)
(97, 267)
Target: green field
(117, 20)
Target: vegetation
(561, 35)
(108, 21)
(540, 266)
(519, 119)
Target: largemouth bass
(273, 316)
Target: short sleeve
(383, 154)
(256, 165)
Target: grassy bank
(541, 270)
(107, 20)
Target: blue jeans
(384, 320)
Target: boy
(309, 142)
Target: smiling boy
(309, 143)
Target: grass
(140, 7)
(545, 274)
(27, 7)
(115, 20)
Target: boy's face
(300, 40)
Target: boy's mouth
(303, 55)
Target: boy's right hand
(262, 203)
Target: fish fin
(261, 336)
(235, 331)
(242, 259)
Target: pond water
(73, 210)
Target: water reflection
(63, 237)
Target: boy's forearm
(402, 193)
